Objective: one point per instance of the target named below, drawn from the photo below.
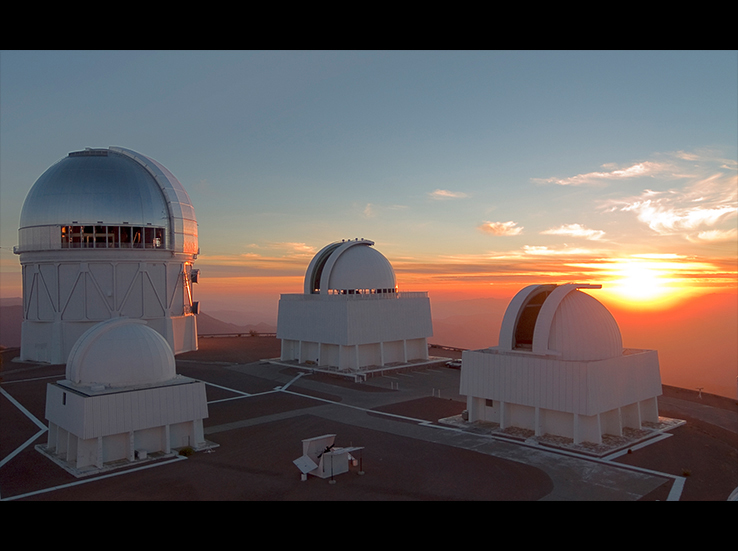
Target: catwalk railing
(355, 294)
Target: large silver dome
(113, 189)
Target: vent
(90, 153)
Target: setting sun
(650, 281)
(640, 282)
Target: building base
(361, 375)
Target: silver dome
(109, 188)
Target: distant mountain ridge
(208, 325)
(11, 317)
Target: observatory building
(351, 316)
(106, 233)
(560, 368)
(121, 400)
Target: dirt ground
(258, 439)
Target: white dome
(562, 321)
(120, 352)
(583, 329)
(349, 266)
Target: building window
(112, 237)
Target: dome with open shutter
(561, 321)
(349, 267)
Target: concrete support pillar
(504, 416)
(475, 408)
(99, 458)
(131, 446)
(167, 440)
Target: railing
(241, 334)
(356, 296)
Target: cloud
(697, 208)
(701, 197)
(539, 250)
(575, 230)
(501, 228)
(645, 168)
(714, 236)
(441, 194)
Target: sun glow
(649, 281)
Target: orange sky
(686, 307)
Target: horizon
(475, 173)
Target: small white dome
(349, 266)
(120, 352)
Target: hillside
(11, 316)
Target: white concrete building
(106, 233)
(560, 368)
(122, 400)
(351, 315)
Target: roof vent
(90, 153)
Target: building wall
(351, 320)
(66, 295)
(125, 411)
(575, 399)
(93, 430)
(354, 356)
(585, 388)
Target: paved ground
(259, 413)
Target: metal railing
(357, 295)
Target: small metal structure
(321, 458)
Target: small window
(149, 237)
(113, 236)
(66, 236)
(88, 237)
(76, 237)
(138, 237)
(125, 237)
(101, 237)
(159, 238)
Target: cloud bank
(576, 230)
(501, 228)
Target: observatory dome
(583, 329)
(107, 191)
(350, 266)
(120, 352)
(561, 320)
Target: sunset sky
(475, 173)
